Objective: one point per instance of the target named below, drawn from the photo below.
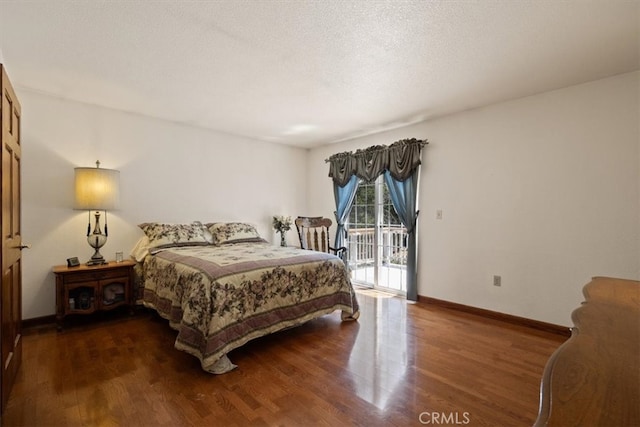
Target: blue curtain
(344, 201)
(404, 196)
(400, 164)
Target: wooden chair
(314, 235)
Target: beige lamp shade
(97, 189)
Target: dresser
(593, 379)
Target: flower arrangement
(282, 224)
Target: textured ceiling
(308, 73)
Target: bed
(221, 285)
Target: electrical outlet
(497, 280)
(439, 214)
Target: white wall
(543, 190)
(168, 173)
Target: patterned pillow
(166, 235)
(233, 232)
(141, 249)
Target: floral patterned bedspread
(220, 297)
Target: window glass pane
(383, 241)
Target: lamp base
(96, 259)
(97, 240)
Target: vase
(283, 239)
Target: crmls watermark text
(443, 418)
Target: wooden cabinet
(593, 379)
(87, 289)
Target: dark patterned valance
(400, 158)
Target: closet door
(11, 303)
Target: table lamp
(97, 190)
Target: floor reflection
(379, 357)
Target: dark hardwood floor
(400, 364)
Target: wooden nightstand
(84, 289)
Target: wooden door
(11, 303)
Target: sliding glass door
(377, 240)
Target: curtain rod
(375, 148)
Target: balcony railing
(393, 246)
